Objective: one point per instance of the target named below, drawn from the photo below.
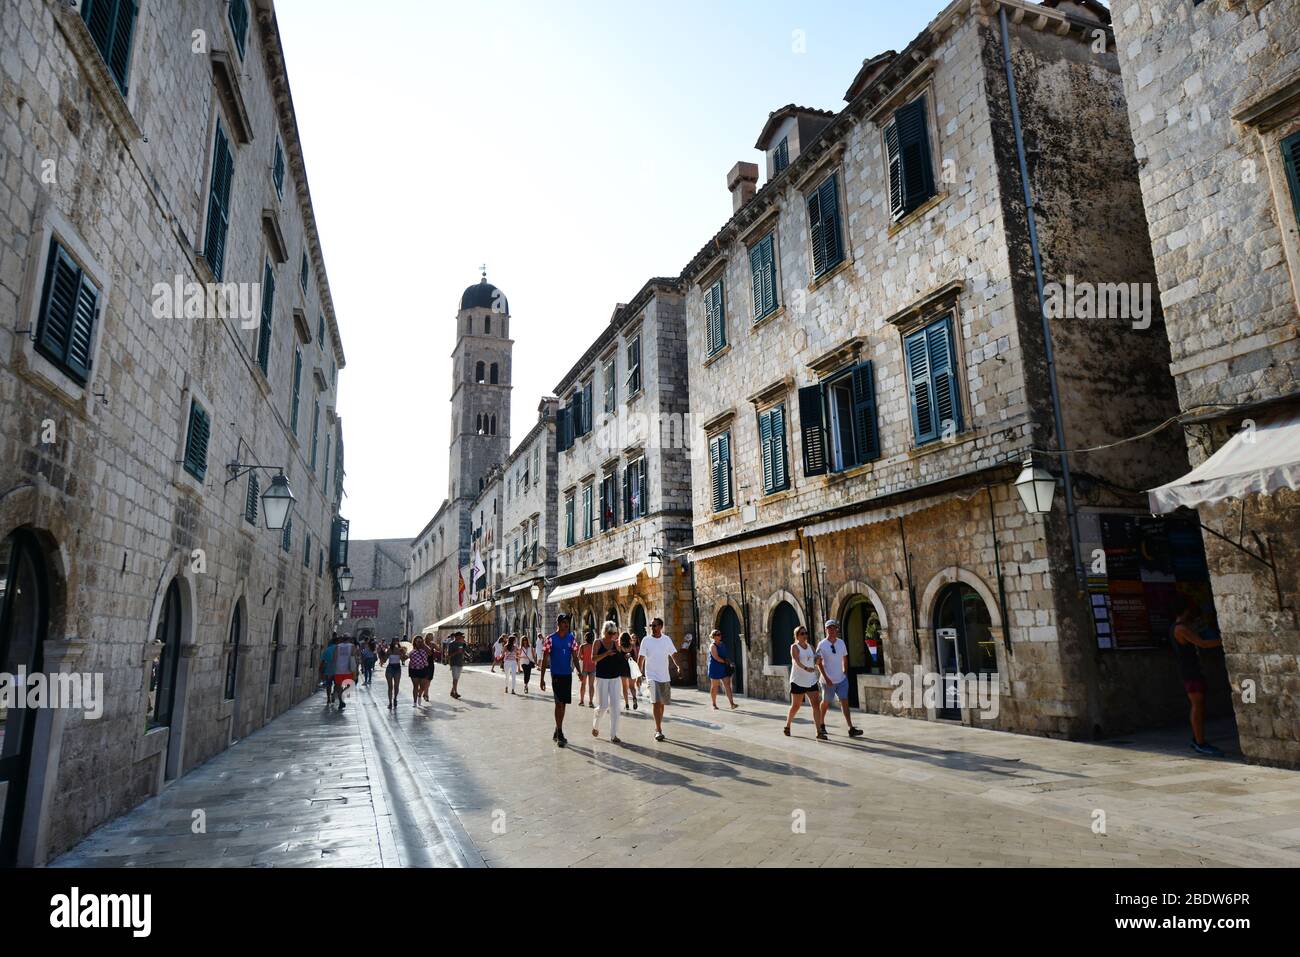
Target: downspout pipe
(1071, 515)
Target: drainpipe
(1071, 515)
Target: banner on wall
(365, 608)
(1135, 566)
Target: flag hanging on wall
(460, 592)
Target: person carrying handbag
(720, 669)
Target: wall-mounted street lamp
(343, 606)
(1037, 488)
(535, 591)
(277, 500)
(655, 562)
(345, 579)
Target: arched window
(274, 670)
(638, 623)
(612, 615)
(162, 680)
(297, 653)
(478, 372)
(964, 629)
(487, 325)
(478, 423)
(232, 659)
(494, 376)
(493, 429)
(861, 634)
(784, 621)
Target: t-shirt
(496, 650)
(833, 653)
(587, 653)
(560, 648)
(456, 651)
(343, 658)
(656, 652)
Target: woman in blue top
(720, 669)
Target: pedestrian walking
(1185, 640)
(396, 657)
(456, 651)
(418, 668)
(344, 661)
(587, 678)
(510, 663)
(560, 654)
(833, 663)
(497, 647)
(629, 671)
(656, 654)
(368, 658)
(526, 659)
(327, 669)
(720, 670)
(803, 681)
(609, 679)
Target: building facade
(1213, 93)
(870, 358)
(528, 491)
(374, 603)
(170, 347)
(624, 448)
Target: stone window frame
(883, 116)
(181, 477)
(771, 227)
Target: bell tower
(480, 392)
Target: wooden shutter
(69, 310)
(628, 514)
(832, 242)
(286, 536)
(812, 427)
(917, 356)
(1291, 160)
(315, 431)
(642, 504)
(586, 408)
(780, 468)
(223, 172)
(866, 440)
(756, 278)
(715, 327)
(196, 442)
(914, 149)
(763, 262)
(297, 388)
(896, 206)
(943, 375)
(239, 24)
(268, 311)
(816, 232)
(715, 473)
(251, 501)
(111, 24)
(765, 447)
(724, 449)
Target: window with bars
(70, 304)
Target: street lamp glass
(277, 503)
(1037, 488)
(535, 591)
(656, 563)
(345, 580)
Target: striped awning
(728, 548)
(876, 515)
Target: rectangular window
(65, 332)
(277, 168)
(537, 466)
(907, 149)
(771, 438)
(306, 551)
(932, 381)
(586, 407)
(762, 266)
(634, 501)
(609, 501)
(781, 158)
(634, 366)
(251, 500)
(1291, 160)
(268, 311)
(320, 332)
(587, 531)
(297, 389)
(238, 15)
(611, 387)
(112, 26)
(715, 319)
(838, 421)
(196, 441)
(720, 470)
(568, 520)
(223, 173)
(825, 231)
(315, 432)
(304, 271)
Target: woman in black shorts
(393, 672)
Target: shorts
(562, 686)
(393, 671)
(836, 692)
(801, 689)
(455, 672)
(661, 692)
(341, 680)
(425, 672)
(1194, 686)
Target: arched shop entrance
(963, 631)
(729, 625)
(24, 621)
(638, 628)
(861, 632)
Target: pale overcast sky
(576, 148)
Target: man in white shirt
(833, 662)
(497, 650)
(656, 654)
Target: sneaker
(561, 740)
(855, 732)
(615, 740)
(1207, 749)
(659, 736)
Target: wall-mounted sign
(365, 608)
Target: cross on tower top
(483, 269)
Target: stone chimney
(743, 183)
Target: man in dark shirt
(456, 659)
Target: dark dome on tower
(484, 295)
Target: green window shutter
(223, 172)
(297, 388)
(568, 521)
(641, 503)
(914, 150)
(765, 446)
(196, 441)
(1291, 160)
(812, 426)
(897, 207)
(865, 438)
(562, 428)
(917, 356)
(112, 24)
(780, 469)
(715, 472)
(251, 501)
(238, 14)
(268, 312)
(277, 169)
(628, 474)
(762, 264)
(943, 375)
(715, 319)
(756, 279)
(325, 479)
(586, 408)
(781, 158)
(828, 248)
(816, 231)
(65, 333)
(315, 432)
(724, 448)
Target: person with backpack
(720, 670)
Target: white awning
(523, 585)
(876, 515)
(605, 581)
(1254, 461)
(456, 619)
(716, 551)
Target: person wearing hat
(833, 662)
(560, 654)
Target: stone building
(374, 603)
(625, 471)
(148, 411)
(1213, 93)
(870, 365)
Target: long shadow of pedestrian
(615, 762)
(761, 764)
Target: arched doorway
(638, 628)
(297, 652)
(231, 690)
(588, 623)
(963, 631)
(162, 679)
(612, 615)
(24, 621)
(861, 631)
(781, 635)
(729, 625)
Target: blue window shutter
(268, 312)
(917, 357)
(762, 264)
(865, 437)
(1291, 160)
(812, 418)
(112, 24)
(297, 388)
(832, 241)
(223, 171)
(724, 448)
(897, 207)
(943, 375)
(780, 469)
(196, 441)
(70, 304)
(914, 150)
(765, 447)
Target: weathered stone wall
(123, 183)
(378, 574)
